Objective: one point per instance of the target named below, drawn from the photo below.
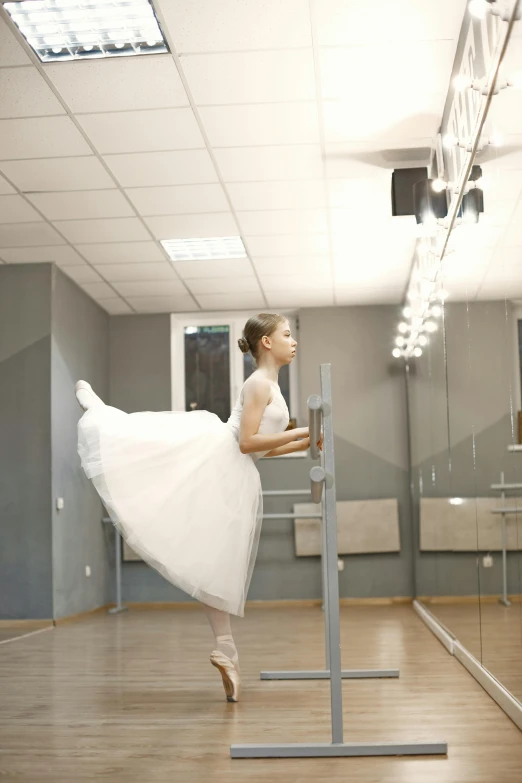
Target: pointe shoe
(85, 396)
(229, 674)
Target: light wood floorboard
(132, 698)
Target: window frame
(235, 320)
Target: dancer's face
(282, 344)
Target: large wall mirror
(464, 372)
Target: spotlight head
(478, 8)
(429, 204)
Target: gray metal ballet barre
(117, 573)
(323, 489)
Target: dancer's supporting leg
(224, 657)
(220, 624)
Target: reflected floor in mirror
(492, 633)
(133, 697)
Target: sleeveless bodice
(275, 417)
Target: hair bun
(243, 345)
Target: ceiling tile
(300, 298)
(396, 117)
(305, 194)
(11, 52)
(293, 265)
(143, 131)
(122, 252)
(98, 290)
(224, 285)
(513, 235)
(26, 94)
(63, 255)
(82, 204)
(58, 174)
(150, 288)
(29, 235)
(288, 245)
(5, 187)
(351, 23)
(433, 61)
(115, 306)
(263, 124)
(500, 184)
(41, 137)
(371, 195)
(369, 296)
(283, 221)
(228, 267)
(218, 224)
(15, 209)
(300, 162)
(237, 301)
(111, 230)
(133, 272)
(153, 169)
(251, 77)
(231, 25)
(163, 304)
(82, 274)
(179, 200)
(119, 84)
(299, 282)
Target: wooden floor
(132, 698)
(493, 634)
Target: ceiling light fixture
(206, 249)
(64, 30)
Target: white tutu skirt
(181, 493)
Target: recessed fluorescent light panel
(204, 249)
(64, 30)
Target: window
(207, 367)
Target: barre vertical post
(330, 556)
(117, 570)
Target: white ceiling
(269, 120)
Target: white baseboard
(505, 700)
(435, 627)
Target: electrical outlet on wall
(487, 561)
(87, 570)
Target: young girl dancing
(183, 488)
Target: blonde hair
(258, 326)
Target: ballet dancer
(183, 488)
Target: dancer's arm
(300, 445)
(290, 448)
(256, 394)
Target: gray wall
(80, 349)
(371, 454)
(25, 442)
(462, 413)
(139, 380)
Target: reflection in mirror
(464, 390)
(499, 462)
